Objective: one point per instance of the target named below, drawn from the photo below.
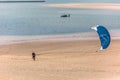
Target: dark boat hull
(65, 15)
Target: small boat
(65, 15)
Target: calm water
(36, 19)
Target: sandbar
(109, 6)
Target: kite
(104, 36)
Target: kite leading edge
(104, 36)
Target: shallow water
(38, 19)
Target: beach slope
(60, 60)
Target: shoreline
(6, 40)
(111, 6)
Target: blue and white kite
(104, 36)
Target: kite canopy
(104, 36)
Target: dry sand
(60, 60)
(111, 6)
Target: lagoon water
(37, 19)
(31, 19)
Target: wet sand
(60, 60)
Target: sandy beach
(110, 6)
(60, 60)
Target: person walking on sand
(33, 56)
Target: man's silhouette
(33, 56)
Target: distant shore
(26, 1)
(111, 6)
